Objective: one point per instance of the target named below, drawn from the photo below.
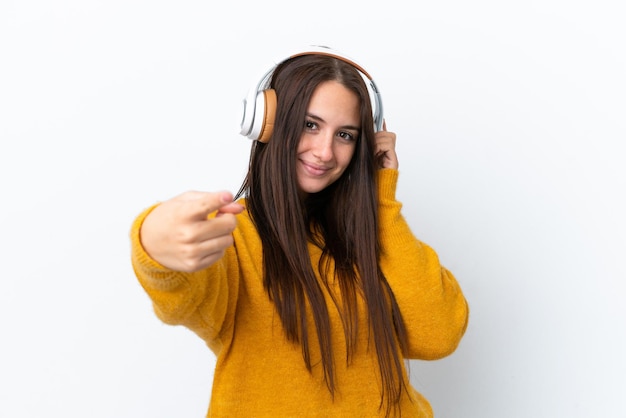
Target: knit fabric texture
(259, 373)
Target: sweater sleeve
(199, 301)
(433, 306)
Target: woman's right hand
(179, 234)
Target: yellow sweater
(258, 372)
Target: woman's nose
(323, 147)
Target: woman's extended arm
(177, 253)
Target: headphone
(259, 106)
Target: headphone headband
(259, 104)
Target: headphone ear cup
(269, 115)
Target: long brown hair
(342, 220)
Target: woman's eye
(346, 135)
(310, 125)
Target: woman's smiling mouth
(314, 169)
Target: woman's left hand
(386, 148)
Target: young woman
(309, 286)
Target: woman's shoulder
(244, 221)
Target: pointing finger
(198, 205)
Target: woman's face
(332, 127)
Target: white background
(510, 119)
